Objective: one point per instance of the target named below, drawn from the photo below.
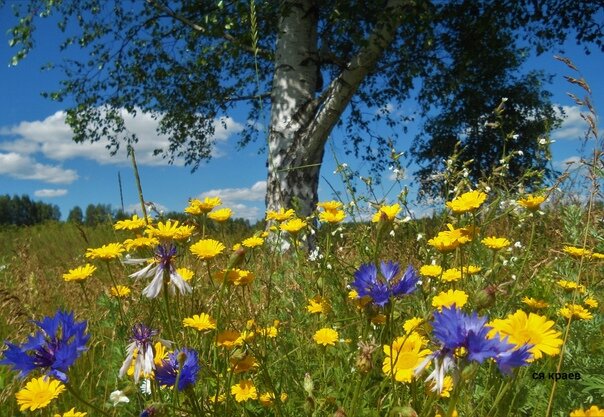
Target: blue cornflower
(381, 289)
(181, 365)
(142, 346)
(456, 330)
(54, 348)
(164, 255)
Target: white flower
(391, 233)
(542, 141)
(407, 219)
(518, 245)
(520, 153)
(420, 236)
(117, 397)
(146, 387)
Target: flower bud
(485, 298)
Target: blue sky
(38, 158)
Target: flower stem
(83, 401)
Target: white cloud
(573, 127)
(50, 193)
(235, 199)
(26, 168)
(52, 137)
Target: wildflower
(594, 411)
(54, 348)
(185, 273)
(471, 270)
(450, 298)
(80, 273)
(433, 271)
(252, 242)
(142, 347)
(207, 249)
(404, 356)
(197, 206)
(105, 252)
(170, 230)
(268, 398)
(576, 252)
(229, 339)
(318, 305)
(201, 322)
(141, 242)
(531, 202)
(181, 366)
(446, 388)
(293, 226)
(496, 243)
(280, 215)
(411, 324)
(532, 329)
(449, 240)
(130, 224)
(162, 266)
(597, 255)
(117, 397)
(72, 413)
(241, 277)
(38, 393)
(332, 217)
(386, 213)
(221, 215)
(466, 202)
(332, 206)
(575, 311)
(243, 364)
(120, 291)
(325, 337)
(451, 275)
(571, 285)
(591, 302)
(270, 331)
(381, 289)
(533, 303)
(244, 390)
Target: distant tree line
(22, 211)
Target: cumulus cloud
(52, 137)
(236, 199)
(26, 168)
(50, 193)
(573, 127)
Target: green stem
(167, 303)
(83, 401)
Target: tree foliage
(22, 211)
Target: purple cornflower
(456, 330)
(182, 366)
(53, 348)
(142, 345)
(164, 255)
(382, 288)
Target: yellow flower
(386, 213)
(531, 202)
(591, 302)
(330, 205)
(72, 413)
(447, 387)
(130, 224)
(252, 242)
(207, 248)
(326, 336)
(229, 339)
(141, 242)
(378, 319)
(201, 322)
(318, 305)
(405, 355)
(80, 273)
(185, 273)
(221, 215)
(105, 252)
(597, 255)
(433, 271)
(533, 303)
(163, 231)
(571, 286)
(496, 243)
(120, 291)
(244, 364)
(268, 398)
(449, 240)
(466, 202)
(270, 331)
(244, 277)
(293, 226)
(451, 275)
(576, 311)
(280, 215)
(38, 393)
(593, 411)
(576, 252)
(244, 391)
(449, 298)
(533, 329)
(412, 324)
(219, 399)
(332, 217)
(197, 206)
(184, 232)
(471, 270)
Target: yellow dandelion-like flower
(326, 337)
(185, 273)
(576, 252)
(404, 356)
(318, 305)
(496, 243)
(447, 387)
(433, 271)
(471, 270)
(451, 275)
(133, 223)
(593, 411)
(163, 230)
(229, 339)
(207, 249)
(571, 286)
(330, 205)
(531, 202)
(252, 242)
(221, 215)
(533, 303)
(575, 311)
(293, 226)
(105, 252)
(244, 364)
(243, 277)
(447, 299)
(184, 232)
(591, 302)
(244, 390)
(466, 202)
(72, 413)
(280, 215)
(386, 213)
(597, 255)
(531, 329)
(141, 242)
(268, 398)
(120, 291)
(38, 393)
(332, 217)
(270, 331)
(201, 322)
(449, 240)
(80, 273)
(412, 324)
(197, 206)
